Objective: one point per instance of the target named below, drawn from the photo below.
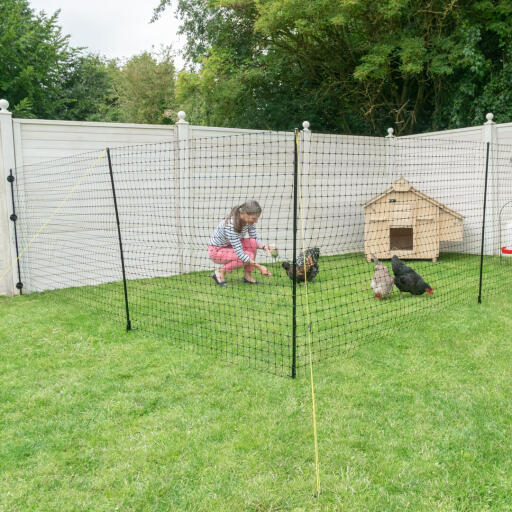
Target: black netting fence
(140, 231)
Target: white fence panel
(171, 198)
(40, 140)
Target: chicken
(311, 256)
(382, 281)
(407, 280)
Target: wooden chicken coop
(403, 221)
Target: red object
(506, 250)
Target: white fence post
(489, 134)
(305, 172)
(7, 162)
(390, 152)
(185, 236)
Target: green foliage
(87, 90)
(347, 66)
(145, 87)
(34, 55)
(43, 77)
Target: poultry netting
(348, 238)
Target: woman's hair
(251, 207)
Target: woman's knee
(250, 244)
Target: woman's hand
(264, 270)
(266, 248)
(269, 250)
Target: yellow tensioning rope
(308, 315)
(50, 218)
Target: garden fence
(126, 231)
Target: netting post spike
(14, 218)
(483, 223)
(127, 307)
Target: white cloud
(114, 28)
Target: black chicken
(407, 280)
(311, 256)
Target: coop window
(401, 239)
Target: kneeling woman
(229, 247)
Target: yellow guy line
(50, 218)
(313, 403)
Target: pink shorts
(227, 256)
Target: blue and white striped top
(225, 235)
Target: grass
(253, 324)
(94, 418)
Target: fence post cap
(305, 125)
(181, 116)
(390, 132)
(489, 118)
(4, 105)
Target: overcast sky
(114, 28)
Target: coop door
(401, 239)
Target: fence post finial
(390, 132)
(181, 117)
(490, 117)
(4, 105)
(305, 126)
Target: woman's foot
(219, 277)
(250, 282)
(249, 279)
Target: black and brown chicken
(407, 280)
(382, 281)
(311, 257)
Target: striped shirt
(225, 235)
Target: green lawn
(94, 418)
(253, 324)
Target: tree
(87, 90)
(145, 88)
(34, 55)
(42, 76)
(347, 65)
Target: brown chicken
(382, 281)
(311, 256)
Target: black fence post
(294, 275)
(483, 225)
(14, 218)
(128, 323)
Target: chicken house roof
(402, 185)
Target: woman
(229, 247)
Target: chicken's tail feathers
(396, 263)
(286, 265)
(374, 258)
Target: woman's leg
(250, 246)
(225, 256)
